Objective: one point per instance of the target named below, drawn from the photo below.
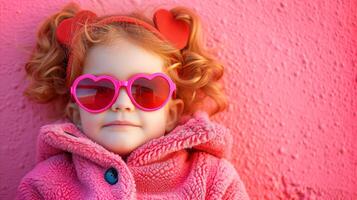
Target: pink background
(291, 77)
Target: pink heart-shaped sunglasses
(147, 92)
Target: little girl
(131, 90)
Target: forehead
(121, 59)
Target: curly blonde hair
(194, 70)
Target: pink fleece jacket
(190, 162)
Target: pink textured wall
(291, 77)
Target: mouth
(121, 124)
(120, 127)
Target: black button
(111, 176)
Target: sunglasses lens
(95, 95)
(150, 94)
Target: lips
(123, 123)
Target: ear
(74, 113)
(174, 113)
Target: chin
(121, 151)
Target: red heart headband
(168, 28)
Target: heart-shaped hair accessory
(176, 31)
(67, 28)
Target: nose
(123, 102)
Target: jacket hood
(196, 133)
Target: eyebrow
(101, 74)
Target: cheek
(155, 123)
(90, 122)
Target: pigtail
(197, 73)
(46, 67)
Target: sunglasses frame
(118, 84)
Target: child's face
(122, 60)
